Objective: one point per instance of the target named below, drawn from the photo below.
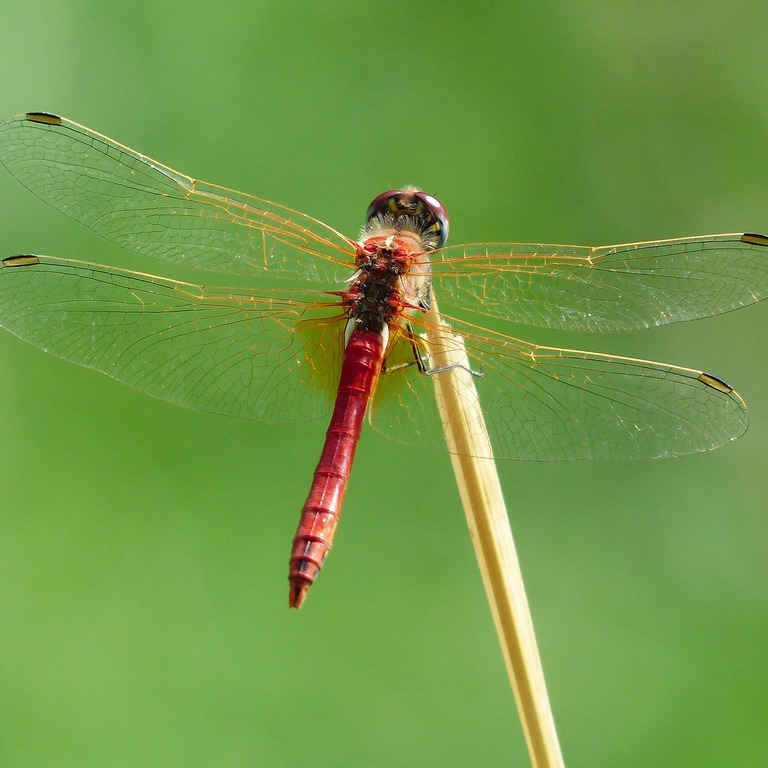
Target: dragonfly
(339, 326)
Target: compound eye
(427, 214)
(383, 203)
(440, 215)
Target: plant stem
(478, 481)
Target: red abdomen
(320, 514)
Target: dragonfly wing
(403, 406)
(550, 404)
(233, 353)
(607, 288)
(147, 207)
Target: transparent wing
(273, 357)
(607, 288)
(549, 404)
(147, 207)
(276, 357)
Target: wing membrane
(233, 353)
(550, 404)
(275, 355)
(607, 288)
(147, 207)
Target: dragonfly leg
(421, 360)
(443, 368)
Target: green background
(144, 547)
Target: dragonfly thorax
(392, 279)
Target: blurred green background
(144, 547)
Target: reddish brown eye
(439, 213)
(412, 209)
(380, 203)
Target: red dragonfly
(339, 326)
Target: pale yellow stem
(480, 490)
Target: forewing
(550, 404)
(273, 357)
(147, 207)
(607, 288)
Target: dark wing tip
(715, 383)
(755, 239)
(22, 260)
(43, 117)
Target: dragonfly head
(408, 210)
